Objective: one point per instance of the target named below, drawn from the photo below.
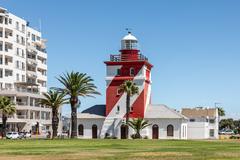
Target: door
(155, 132)
(94, 131)
(124, 131)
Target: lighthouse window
(118, 108)
(118, 72)
(118, 92)
(132, 72)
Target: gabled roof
(162, 111)
(96, 111)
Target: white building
(203, 122)
(100, 121)
(23, 73)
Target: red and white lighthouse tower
(128, 65)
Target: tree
(55, 100)
(76, 84)
(7, 108)
(130, 88)
(137, 125)
(226, 123)
(221, 111)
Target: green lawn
(118, 149)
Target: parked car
(21, 135)
(28, 135)
(226, 132)
(12, 135)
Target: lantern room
(129, 42)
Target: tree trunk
(55, 121)
(127, 113)
(74, 104)
(4, 125)
(127, 108)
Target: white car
(12, 135)
(28, 135)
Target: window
(17, 39)
(211, 132)
(17, 64)
(192, 120)
(170, 130)
(6, 20)
(132, 72)
(17, 77)
(38, 38)
(1, 60)
(10, 21)
(18, 51)
(28, 34)
(131, 109)
(17, 25)
(80, 130)
(119, 92)
(23, 28)
(1, 73)
(23, 66)
(33, 37)
(212, 121)
(23, 78)
(118, 72)
(118, 108)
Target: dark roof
(96, 109)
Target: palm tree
(137, 125)
(7, 108)
(55, 100)
(76, 84)
(221, 111)
(130, 88)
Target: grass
(119, 149)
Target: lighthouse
(129, 64)
(108, 120)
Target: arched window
(155, 132)
(132, 72)
(80, 130)
(94, 131)
(170, 130)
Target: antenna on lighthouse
(128, 30)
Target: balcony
(32, 74)
(127, 57)
(32, 62)
(22, 116)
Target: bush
(234, 137)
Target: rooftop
(199, 112)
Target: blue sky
(193, 45)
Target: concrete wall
(178, 125)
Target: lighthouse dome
(129, 42)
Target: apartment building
(202, 123)
(23, 73)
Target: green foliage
(77, 84)
(230, 124)
(7, 107)
(138, 124)
(129, 87)
(221, 111)
(226, 123)
(53, 99)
